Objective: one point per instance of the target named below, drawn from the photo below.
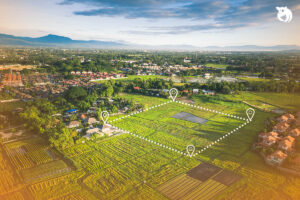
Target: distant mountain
(55, 41)
(65, 42)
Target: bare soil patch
(203, 171)
(189, 117)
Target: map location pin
(250, 113)
(173, 93)
(104, 116)
(190, 150)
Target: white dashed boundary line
(191, 105)
(134, 113)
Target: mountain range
(65, 42)
(54, 41)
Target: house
(83, 116)
(281, 127)
(165, 90)
(91, 131)
(269, 140)
(287, 144)
(195, 91)
(92, 120)
(286, 118)
(107, 129)
(207, 76)
(208, 92)
(265, 135)
(72, 111)
(276, 158)
(295, 132)
(74, 124)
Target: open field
(159, 125)
(268, 100)
(148, 101)
(218, 66)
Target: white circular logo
(284, 14)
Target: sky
(155, 22)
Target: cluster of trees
(259, 86)
(39, 117)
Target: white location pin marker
(250, 113)
(173, 93)
(190, 150)
(104, 116)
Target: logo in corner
(284, 14)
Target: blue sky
(155, 22)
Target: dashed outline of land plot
(246, 121)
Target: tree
(109, 90)
(114, 109)
(76, 94)
(99, 111)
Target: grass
(148, 101)
(218, 66)
(286, 101)
(158, 125)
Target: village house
(286, 118)
(295, 132)
(91, 131)
(107, 129)
(74, 124)
(281, 127)
(195, 91)
(185, 91)
(207, 76)
(276, 158)
(265, 135)
(92, 120)
(208, 92)
(269, 140)
(287, 144)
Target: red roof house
(277, 157)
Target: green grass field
(141, 99)
(158, 125)
(286, 101)
(218, 66)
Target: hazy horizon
(198, 23)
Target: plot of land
(179, 187)
(203, 171)
(227, 178)
(164, 125)
(189, 117)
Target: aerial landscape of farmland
(149, 100)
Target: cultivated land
(159, 125)
(126, 167)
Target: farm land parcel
(175, 125)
